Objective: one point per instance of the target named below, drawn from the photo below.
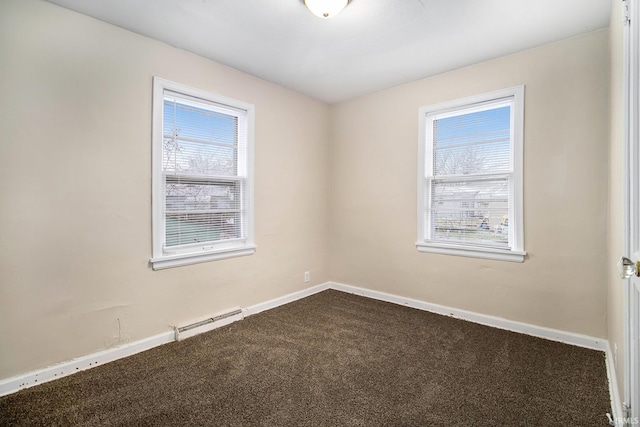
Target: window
(470, 177)
(202, 176)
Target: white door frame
(632, 204)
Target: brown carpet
(333, 359)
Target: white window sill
(473, 252)
(168, 261)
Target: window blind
(469, 181)
(204, 171)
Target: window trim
(162, 258)
(516, 252)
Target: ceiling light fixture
(326, 8)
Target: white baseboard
(11, 385)
(483, 319)
(30, 379)
(276, 302)
(616, 402)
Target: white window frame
(192, 254)
(515, 252)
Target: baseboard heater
(209, 323)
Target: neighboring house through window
(470, 176)
(202, 176)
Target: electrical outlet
(306, 277)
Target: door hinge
(626, 19)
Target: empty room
(319, 212)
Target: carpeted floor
(333, 359)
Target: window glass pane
(200, 123)
(198, 141)
(198, 212)
(195, 228)
(473, 143)
(471, 211)
(200, 156)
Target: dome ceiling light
(326, 9)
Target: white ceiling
(371, 45)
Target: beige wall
(562, 283)
(615, 240)
(75, 188)
(75, 171)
